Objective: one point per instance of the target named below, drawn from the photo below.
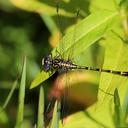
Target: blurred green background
(28, 32)
(21, 33)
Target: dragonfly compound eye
(47, 67)
(46, 62)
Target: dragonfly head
(47, 63)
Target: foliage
(101, 33)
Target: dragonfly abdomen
(59, 64)
(123, 73)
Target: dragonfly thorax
(57, 64)
(62, 65)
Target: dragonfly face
(47, 63)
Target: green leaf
(116, 98)
(83, 119)
(56, 116)
(115, 59)
(117, 116)
(103, 110)
(118, 1)
(125, 106)
(88, 31)
(10, 94)
(103, 4)
(40, 120)
(3, 116)
(20, 112)
(39, 7)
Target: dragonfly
(59, 64)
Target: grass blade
(125, 106)
(40, 120)
(56, 116)
(117, 115)
(9, 95)
(21, 97)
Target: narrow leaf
(117, 108)
(10, 94)
(39, 7)
(40, 120)
(20, 112)
(56, 116)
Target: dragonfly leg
(51, 72)
(58, 54)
